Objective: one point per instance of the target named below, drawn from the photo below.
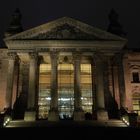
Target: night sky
(92, 12)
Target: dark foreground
(69, 130)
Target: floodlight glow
(64, 99)
(48, 98)
(4, 124)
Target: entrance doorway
(65, 91)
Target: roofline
(50, 24)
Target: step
(109, 123)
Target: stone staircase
(114, 123)
(66, 123)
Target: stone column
(10, 79)
(93, 72)
(40, 60)
(20, 79)
(127, 96)
(78, 112)
(53, 113)
(17, 78)
(116, 85)
(15, 82)
(121, 82)
(110, 77)
(30, 114)
(100, 97)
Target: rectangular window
(136, 105)
(86, 87)
(135, 77)
(44, 96)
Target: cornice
(35, 44)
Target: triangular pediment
(65, 29)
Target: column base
(79, 115)
(102, 115)
(30, 116)
(53, 115)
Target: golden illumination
(86, 87)
(65, 67)
(45, 68)
(136, 103)
(86, 68)
(65, 89)
(44, 91)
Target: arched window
(135, 74)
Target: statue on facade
(114, 26)
(15, 24)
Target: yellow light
(8, 119)
(4, 124)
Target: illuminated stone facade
(65, 69)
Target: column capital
(54, 54)
(12, 55)
(33, 55)
(97, 57)
(77, 55)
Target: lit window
(44, 96)
(86, 87)
(136, 103)
(66, 90)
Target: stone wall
(131, 64)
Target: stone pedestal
(102, 115)
(53, 115)
(79, 115)
(30, 116)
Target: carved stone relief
(64, 31)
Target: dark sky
(92, 12)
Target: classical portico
(69, 79)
